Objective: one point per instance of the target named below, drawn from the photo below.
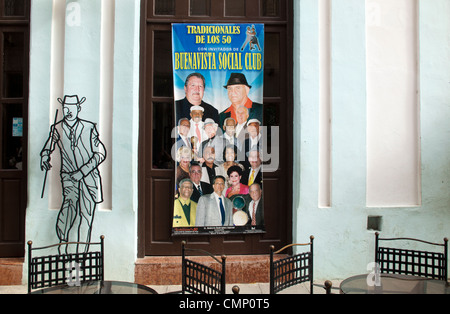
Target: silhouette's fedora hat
(71, 100)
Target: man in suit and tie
(81, 154)
(254, 135)
(253, 173)
(229, 134)
(241, 123)
(197, 134)
(215, 209)
(214, 139)
(209, 168)
(253, 140)
(200, 188)
(254, 206)
(183, 138)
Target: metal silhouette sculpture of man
(81, 153)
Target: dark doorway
(14, 47)
(156, 168)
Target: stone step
(166, 270)
(11, 271)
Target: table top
(393, 284)
(98, 287)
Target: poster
(218, 74)
(17, 127)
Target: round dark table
(98, 287)
(393, 284)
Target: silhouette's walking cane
(51, 149)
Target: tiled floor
(256, 288)
(261, 288)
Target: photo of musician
(214, 138)
(230, 154)
(236, 187)
(253, 140)
(194, 89)
(210, 169)
(241, 124)
(185, 209)
(200, 188)
(196, 131)
(253, 173)
(238, 90)
(184, 158)
(183, 138)
(254, 205)
(229, 134)
(215, 209)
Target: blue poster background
(222, 40)
(217, 51)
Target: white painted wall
(94, 52)
(393, 132)
(343, 245)
(415, 162)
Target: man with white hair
(183, 138)
(254, 135)
(214, 139)
(241, 123)
(197, 125)
(238, 90)
(253, 140)
(253, 172)
(229, 134)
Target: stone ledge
(11, 271)
(166, 270)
